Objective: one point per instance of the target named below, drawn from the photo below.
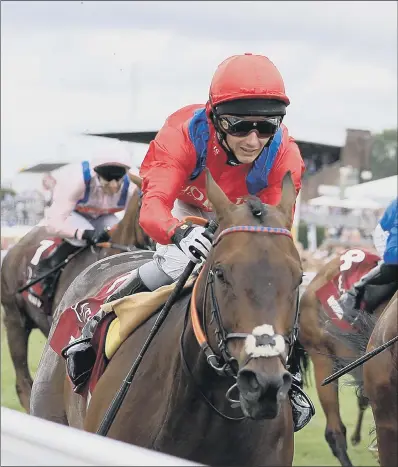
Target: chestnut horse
(380, 375)
(21, 316)
(329, 349)
(244, 304)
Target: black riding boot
(350, 301)
(60, 254)
(130, 287)
(80, 355)
(302, 407)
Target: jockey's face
(247, 148)
(111, 187)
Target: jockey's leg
(101, 222)
(350, 301)
(352, 298)
(63, 250)
(68, 245)
(166, 267)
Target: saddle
(120, 319)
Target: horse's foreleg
(335, 432)
(363, 403)
(387, 445)
(18, 330)
(380, 385)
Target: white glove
(194, 244)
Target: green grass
(310, 445)
(9, 397)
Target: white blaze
(256, 351)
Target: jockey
(86, 197)
(239, 136)
(385, 238)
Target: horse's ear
(135, 179)
(288, 198)
(219, 200)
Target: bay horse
(329, 349)
(21, 316)
(244, 304)
(380, 377)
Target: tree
(383, 159)
(4, 191)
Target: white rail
(28, 440)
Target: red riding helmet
(252, 77)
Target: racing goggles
(238, 126)
(110, 173)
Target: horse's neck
(125, 231)
(72, 270)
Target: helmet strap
(231, 158)
(221, 138)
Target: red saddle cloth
(73, 319)
(354, 264)
(71, 323)
(35, 294)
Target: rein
(226, 364)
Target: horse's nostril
(286, 384)
(247, 381)
(287, 379)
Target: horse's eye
(219, 273)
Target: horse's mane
(357, 341)
(257, 208)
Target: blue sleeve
(391, 251)
(389, 218)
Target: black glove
(96, 236)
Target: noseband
(262, 342)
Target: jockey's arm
(380, 239)
(167, 166)
(391, 252)
(385, 233)
(64, 202)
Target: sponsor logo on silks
(82, 311)
(335, 307)
(197, 195)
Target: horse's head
(253, 274)
(128, 231)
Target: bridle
(225, 364)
